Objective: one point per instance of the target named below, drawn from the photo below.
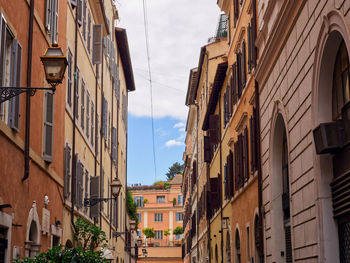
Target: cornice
(276, 38)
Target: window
(180, 199)
(159, 235)
(86, 188)
(92, 123)
(238, 247)
(139, 233)
(48, 126)
(161, 199)
(84, 20)
(158, 217)
(248, 242)
(67, 171)
(104, 118)
(10, 73)
(177, 237)
(76, 101)
(89, 33)
(69, 78)
(341, 90)
(139, 201)
(51, 19)
(179, 216)
(87, 130)
(82, 110)
(139, 215)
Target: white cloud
(177, 30)
(179, 125)
(171, 143)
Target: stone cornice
(276, 38)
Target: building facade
(303, 82)
(99, 78)
(31, 164)
(160, 207)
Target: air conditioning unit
(329, 137)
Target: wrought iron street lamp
(132, 228)
(55, 64)
(115, 189)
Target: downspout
(197, 173)
(101, 138)
(29, 83)
(208, 219)
(126, 166)
(111, 177)
(75, 108)
(260, 192)
(96, 120)
(221, 229)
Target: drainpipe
(221, 208)
(29, 83)
(260, 192)
(101, 139)
(197, 173)
(111, 176)
(75, 108)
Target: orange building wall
(44, 179)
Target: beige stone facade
(298, 43)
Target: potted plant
(166, 233)
(178, 231)
(149, 233)
(174, 201)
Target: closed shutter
(288, 244)
(249, 29)
(92, 123)
(254, 49)
(102, 186)
(230, 173)
(245, 155)
(114, 145)
(243, 65)
(87, 115)
(97, 44)
(236, 11)
(76, 101)
(2, 48)
(214, 122)
(14, 104)
(207, 149)
(48, 126)
(67, 171)
(104, 117)
(226, 190)
(229, 27)
(80, 12)
(76, 181)
(236, 166)
(69, 78)
(235, 83)
(239, 74)
(225, 108)
(95, 193)
(82, 110)
(86, 188)
(84, 19)
(89, 33)
(81, 185)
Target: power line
(159, 83)
(145, 22)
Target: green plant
(88, 236)
(166, 232)
(145, 201)
(175, 169)
(174, 201)
(178, 230)
(149, 232)
(132, 207)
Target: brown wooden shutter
(95, 193)
(245, 155)
(230, 173)
(102, 186)
(229, 27)
(97, 44)
(236, 11)
(239, 74)
(214, 122)
(226, 191)
(249, 33)
(244, 62)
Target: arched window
(340, 92)
(286, 200)
(238, 247)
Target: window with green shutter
(67, 171)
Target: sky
(177, 29)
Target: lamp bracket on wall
(7, 93)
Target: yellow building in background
(99, 77)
